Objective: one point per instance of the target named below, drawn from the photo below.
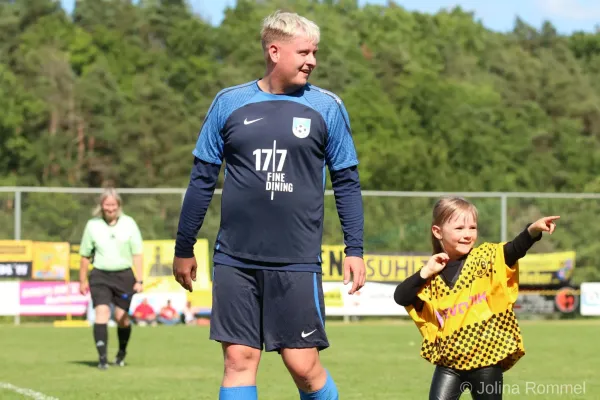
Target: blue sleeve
(209, 146)
(199, 193)
(339, 151)
(348, 200)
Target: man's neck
(270, 84)
(111, 222)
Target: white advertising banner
(590, 298)
(375, 299)
(9, 298)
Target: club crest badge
(301, 127)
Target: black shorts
(114, 287)
(280, 309)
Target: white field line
(26, 392)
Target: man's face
(110, 208)
(296, 60)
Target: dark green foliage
(116, 93)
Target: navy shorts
(280, 309)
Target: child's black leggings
(483, 383)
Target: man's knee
(304, 364)
(102, 312)
(239, 358)
(123, 320)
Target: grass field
(374, 361)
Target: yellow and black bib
(472, 324)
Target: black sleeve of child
(406, 292)
(517, 249)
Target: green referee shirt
(113, 246)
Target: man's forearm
(83, 268)
(200, 190)
(348, 200)
(138, 263)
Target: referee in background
(113, 243)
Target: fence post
(17, 215)
(503, 216)
(18, 236)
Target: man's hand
(354, 266)
(84, 287)
(138, 287)
(545, 224)
(184, 271)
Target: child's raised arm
(518, 248)
(406, 292)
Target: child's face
(458, 234)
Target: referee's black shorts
(114, 287)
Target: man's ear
(274, 52)
(437, 232)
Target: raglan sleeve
(340, 151)
(208, 157)
(209, 145)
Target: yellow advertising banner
(75, 258)
(158, 271)
(15, 259)
(16, 250)
(380, 268)
(158, 264)
(333, 297)
(534, 269)
(50, 260)
(546, 269)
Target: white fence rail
(502, 196)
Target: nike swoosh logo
(246, 122)
(307, 334)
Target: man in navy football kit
(276, 135)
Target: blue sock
(327, 392)
(238, 393)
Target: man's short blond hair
(285, 26)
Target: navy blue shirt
(276, 149)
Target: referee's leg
(101, 298)
(123, 333)
(122, 296)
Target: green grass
(367, 360)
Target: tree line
(115, 94)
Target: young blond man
(276, 135)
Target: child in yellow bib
(462, 302)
